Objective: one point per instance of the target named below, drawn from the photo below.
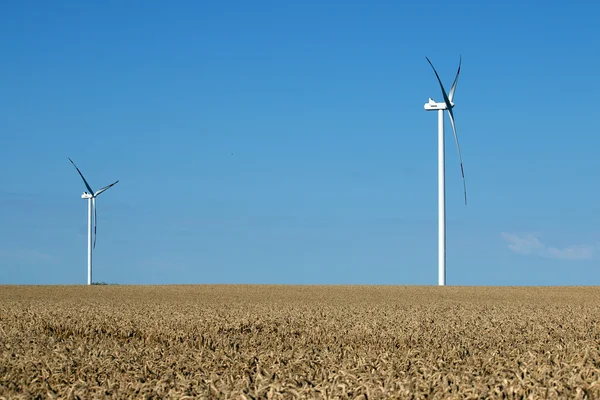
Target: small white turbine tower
(440, 107)
(91, 198)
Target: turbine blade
(451, 114)
(105, 188)
(95, 219)
(449, 107)
(453, 88)
(80, 174)
(446, 99)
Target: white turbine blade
(80, 174)
(95, 219)
(453, 88)
(449, 107)
(459, 156)
(446, 99)
(105, 188)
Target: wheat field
(287, 342)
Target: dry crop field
(284, 342)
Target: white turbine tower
(440, 107)
(91, 198)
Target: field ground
(244, 341)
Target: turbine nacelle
(86, 195)
(433, 106)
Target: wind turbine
(440, 107)
(91, 198)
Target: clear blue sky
(286, 142)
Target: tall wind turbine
(440, 107)
(91, 198)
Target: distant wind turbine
(91, 198)
(440, 107)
